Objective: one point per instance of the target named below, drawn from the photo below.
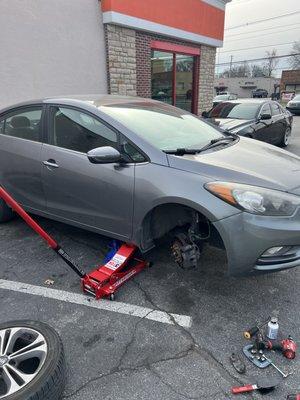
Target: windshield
(164, 126)
(297, 98)
(222, 97)
(235, 110)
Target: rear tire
(6, 213)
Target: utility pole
(230, 68)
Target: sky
(279, 33)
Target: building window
(174, 76)
(292, 88)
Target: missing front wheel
(185, 252)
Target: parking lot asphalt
(113, 355)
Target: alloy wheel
(287, 136)
(23, 352)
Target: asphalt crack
(193, 347)
(201, 350)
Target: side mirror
(263, 117)
(104, 155)
(205, 114)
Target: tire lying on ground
(32, 364)
(6, 213)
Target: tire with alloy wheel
(6, 213)
(286, 137)
(32, 364)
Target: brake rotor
(186, 254)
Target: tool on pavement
(293, 397)
(237, 363)
(273, 328)
(249, 333)
(256, 356)
(106, 279)
(263, 385)
(287, 346)
(277, 369)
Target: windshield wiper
(217, 141)
(182, 151)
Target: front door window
(173, 79)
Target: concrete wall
(239, 85)
(50, 47)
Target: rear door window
(23, 124)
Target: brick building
(161, 49)
(164, 49)
(290, 81)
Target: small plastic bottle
(273, 328)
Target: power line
(256, 47)
(262, 20)
(259, 59)
(261, 30)
(270, 33)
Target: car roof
(96, 100)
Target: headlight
(254, 199)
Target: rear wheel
(32, 365)
(286, 137)
(6, 213)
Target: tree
(240, 71)
(271, 62)
(294, 60)
(258, 71)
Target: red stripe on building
(192, 16)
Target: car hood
(248, 161)
(231, 123)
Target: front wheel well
(170, 218)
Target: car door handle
(51, 163)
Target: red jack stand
(105, 280)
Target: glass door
(162, 76)
(184, 81)
(173, 79)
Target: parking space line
(107, 305)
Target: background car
(259, 93)
(264, 120)
(223, 97)
(294, 105)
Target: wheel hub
(23, 353)
(3, 361)
(186, 254)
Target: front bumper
(247, 237)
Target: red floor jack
(106, 279)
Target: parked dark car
(294, 105)
(259, 93)
(263, 120)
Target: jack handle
(40, 231)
